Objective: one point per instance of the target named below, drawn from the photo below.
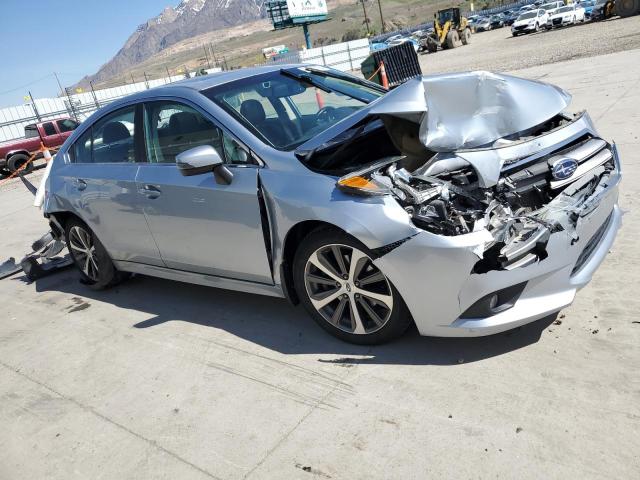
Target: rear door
(199, 225)
(100, 181)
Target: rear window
(31, 131)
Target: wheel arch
(16, 152)
(292, 240)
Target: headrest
(114, 132)
(253, 111)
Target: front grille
(520, 27)
(528, 173)
(557, 21)
(591, 246)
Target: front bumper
(523, 29)
(561, 23)
(434, 273)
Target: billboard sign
(292, 13)
(302, 11)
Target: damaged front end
(474, 160)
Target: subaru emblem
(563, 168)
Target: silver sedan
(455, 202)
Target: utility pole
(93, 92)
(366, 18)
(206, 55)
(381, 17)
(59, 84)
(168, 74)
(132, 80)
(213, 54)
(146, 80)
(33, 105)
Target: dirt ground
(158, 379)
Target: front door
(199, 225)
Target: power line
(26, 84)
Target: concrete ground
(157, 379)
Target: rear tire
(96, 267)
(353, 302)
(626, 8)
(16, 161)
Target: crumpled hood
(468, 110)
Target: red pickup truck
(52, 134)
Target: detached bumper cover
(434, 273)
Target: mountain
(187, 19)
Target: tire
(626, 8)
(16, 161)
(97, 270)
(466, 36)
(432, 45)
(453, 39)
(537, 27)
(514, 34)
(333, 294)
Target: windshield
(564, 9)
(550, 6)
(287, 107)
(527, 15)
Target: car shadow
(274, 324)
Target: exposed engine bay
(531, 200)
(469, 162)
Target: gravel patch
(499, 51)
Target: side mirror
(203, 159)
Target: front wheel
(90, 256)
(20, 162)
(466, 36)
(345, 292)
(537, 29)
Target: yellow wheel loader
(450, 30)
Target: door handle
(79, 183)
(150, 191)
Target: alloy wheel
(84, 251)
(347, 289)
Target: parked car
(52, 133)
(512, 17)
(308, 183)
(567, 15)
(483, 24)
(552, 6)
(602, 9)
(588, 8)
(529, 22)
(401, 40)
(393, 38)
(497, 21)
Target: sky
(70, 37)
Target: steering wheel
(326, 115)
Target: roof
(219, 78)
